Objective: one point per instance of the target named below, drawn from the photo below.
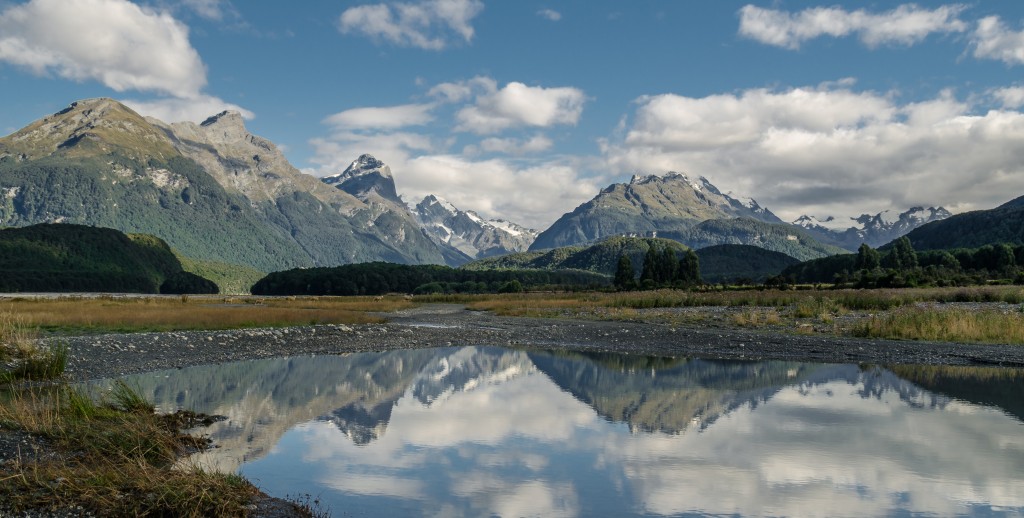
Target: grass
(947, 325)
(23, 358)
(892, 313)
(109, 314)
(117, 459)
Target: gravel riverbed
(104, 356)
(111, 355)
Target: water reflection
(489, 431)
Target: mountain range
(215, 192)
(874, 230)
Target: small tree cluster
(661, 268)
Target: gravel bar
(104, 356)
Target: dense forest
(898, 265)
(75, 258)
(378, 278)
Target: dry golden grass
(946, 325)
(117, 459)
(757, 318)
(164, 313)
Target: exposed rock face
(366, 178)
(875, 230)
(212, 190)
(468, 232)
(646, 205)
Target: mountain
(645, 206)
(874, 230)
(213, 191)
(1003, 224)
(472, 235)
(778, 237)
(601, 257)
(76, 258)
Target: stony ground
(442, 325)
(104, 356)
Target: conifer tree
(624, 274)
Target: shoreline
(441, 325)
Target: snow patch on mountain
(468, 232)
(875, 230)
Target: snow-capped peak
(362, 166)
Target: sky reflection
(474, 431)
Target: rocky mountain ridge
(647, 205)
(466, 231)
(875, 230)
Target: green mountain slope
(63, 258)
(726, 263)
(778, 237)
(1003, 224)
(602, 257)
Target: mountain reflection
(470, 431)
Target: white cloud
(211, 9)
(994, 40)
(550, 14)
(510, 146)
(1010, 97)
(830, 150)
(196, 109)
(115, 42)
(904, 25)
(428, 24)
(518, 105)
(388, 117)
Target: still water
(470, 431)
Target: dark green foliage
(867, 258)
(602, 257)
(1003, 224)
(513, 286)
(69, 258)
(689, 269)
(379, 278)
(186, 282)
(740, 264)
(625, 275)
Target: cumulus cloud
(115, 42)
(1010, 97)
(517, 105)
(428, 24)
(904, 25)
(388, 117)
(196, 109)
(994, 40)
(830, 150)
(550, 14)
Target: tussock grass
(946, 325)
(757, 318)
(195, 313)
(118, 459)
(21, 358)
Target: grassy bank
(113, 457)
(912, 314)
(118, 314)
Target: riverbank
(437, 325)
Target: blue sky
(524, 109)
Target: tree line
(899, 265)
(378, 278)
(661, 269)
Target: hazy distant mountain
(469, 233)
(601, 257)
(647, 205)
(213, 191)
(874, 230)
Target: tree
(907, 257)
(689, 269)
(668, 266)
(625, 276)
(650, 268)
(867, 258)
